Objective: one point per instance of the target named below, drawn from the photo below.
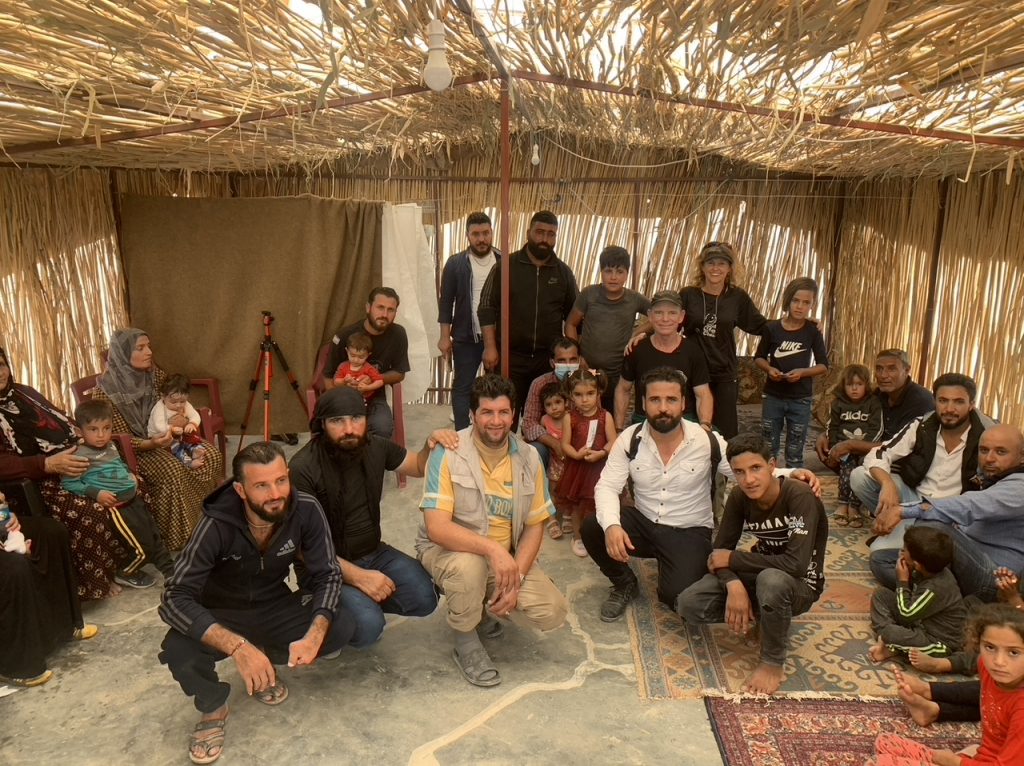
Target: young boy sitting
(926, 612)
(109, 482)
(607, 313)
(781, 576)
(357, 371)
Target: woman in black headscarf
(131, 382)
(37, 442)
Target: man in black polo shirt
(390, 355)
(665, 347)
(343, 467)
(542, 292)
(902, 401)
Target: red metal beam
(506, 221)
(227, 122)
(781, 114)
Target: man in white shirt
(931, 458)
(672, 467)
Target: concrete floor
(567, 697)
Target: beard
(664, 423)
(480, 249)
(539, 250)
(347, 447)
(267, 515)
(380, 324)
(951, 425)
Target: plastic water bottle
(5, 516)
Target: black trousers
(523, 369)
(682, 552)
(271, 627)
(137, 527)
(726, 394)
(958, 700)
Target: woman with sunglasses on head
(714, 308)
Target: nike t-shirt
(788, 350)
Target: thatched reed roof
(867, 87)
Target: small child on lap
(357, 372)
(109, 482)
(176, 414)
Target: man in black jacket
(229, 598)
(542, 292)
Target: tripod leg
(291, 377)
(252, 396)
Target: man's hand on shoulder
(446, 437)
(809, 478)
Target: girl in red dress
(588, 431)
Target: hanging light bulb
(535, 159)
(436, 74)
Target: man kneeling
(783, 573)
(228, 596)
(484, 506)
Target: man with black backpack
(671, 465)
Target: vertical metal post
(635, 268)
(506, 220)
(833, 276)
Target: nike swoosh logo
(790, 352)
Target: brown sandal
(555, 529)
(214, 740)
(273, 695)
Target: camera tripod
(265, 364)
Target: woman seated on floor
(37, 442)
(131, 382)
(39, 608)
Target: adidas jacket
(222, 567)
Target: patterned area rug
(827, 645)
(818, 732)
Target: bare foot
(765, 679)
(879, 652)
(928, 664)
(923, 711)
(206, 742)
(915, 684)
(115, 590)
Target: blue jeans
(795, 415)
(466, 358)
(864, 486)
(972, 567)
(414, 594)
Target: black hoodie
(222, 567)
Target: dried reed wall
(870, 244)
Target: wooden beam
(780, 114)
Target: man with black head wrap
(343, 466)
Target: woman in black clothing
(715, 307)
(39, 607)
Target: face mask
(563, 371)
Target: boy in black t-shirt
(781, 576)
(791, 352)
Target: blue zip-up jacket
(992, 517)
(455, 304)
(222, 567)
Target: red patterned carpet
(818, 732)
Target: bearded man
(228, 596)
(671, 464)
(343, 467)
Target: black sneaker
(615, 605)
(138, 580)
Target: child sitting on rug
(781, 576)
(997, 632)
(174, 413)
(926, 612)
(553, 397)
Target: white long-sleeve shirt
(676, 493)
(159, 415)
(944, 477)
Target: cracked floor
(569, 696)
